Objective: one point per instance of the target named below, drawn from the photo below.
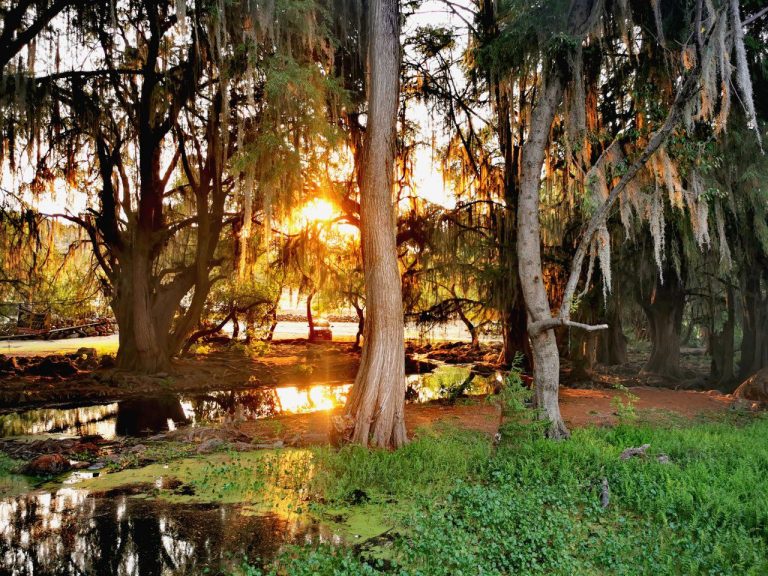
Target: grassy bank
(534, 506)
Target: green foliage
(426, 466)
(624, 404)
(520, 420)
(534, 507)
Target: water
(68, 530)
(71, 531)
(147, 415)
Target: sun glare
(318, 210)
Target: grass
(451, 503)
(533, 506)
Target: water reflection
(80, 421)
(73, 532)
(148, 415)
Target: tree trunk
(471, 328)
(360, 323)
(310, 320)
(546, 359)
(377, 400)
(722, 349)
(235, 326)
(515, 337)
(663, 306)
(613, 343)
(754, 344)
(143, 344)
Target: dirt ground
(579, 407)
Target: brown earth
(579, 407)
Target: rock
(97, 466)
(484, 369)
(242, 446)
(632, 452)
(663, 459)
(268, 445)
(48, 465)
(88, 447)
(210, 445)
(138, 449)
(8, 364)
(754, 388)
(107, 361)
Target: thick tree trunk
(663, 305)
(143, 343)
(613, 343)
(754, 344)
(722, 349)
(515, 337)
(377, 400)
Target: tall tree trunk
(546, 359)
(663, 305)
(613, 343)
(143, 344)
(754, 344)
(310, 319)
(722, 349)
(377, 400)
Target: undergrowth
(533, 506)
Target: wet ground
(280, 399)
(62, 528)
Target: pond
(72, 531)
(147, 415)
(65, 529)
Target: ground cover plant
(534, 507)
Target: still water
(66, 530)
(146, 415)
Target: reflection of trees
(83, 420)
(137, 416)
(72, 532)
(252, 404)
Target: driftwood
(605, 493)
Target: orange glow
(294, 400)
(317, 210)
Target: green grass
(533, 506)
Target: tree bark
(613, 343)
(663, 305)
(310, 319)
(546, 359)
(722, 349)
(754, 344)
(377, 400)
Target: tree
(377, 401)
(180, 108)
(687, 96)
